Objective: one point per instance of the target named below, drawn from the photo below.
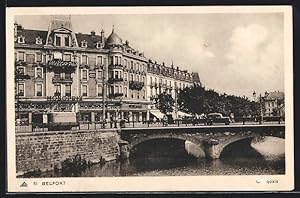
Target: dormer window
(99, 45)
(21, 39)
(84, 44)
(58, 41)
(38, 40)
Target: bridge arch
(138, 141)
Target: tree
(164, 102)
(198, 100)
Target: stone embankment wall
(48, 149)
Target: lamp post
(261, 107)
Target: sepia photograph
(102, 98)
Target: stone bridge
(212, 139)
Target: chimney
(93, 33)
(102, 36)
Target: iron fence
(86, 125)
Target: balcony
(136, 85)
(115, 95)
(62, 80)
(20, 63)
(61, 65)
(113, 80)
(116, 66)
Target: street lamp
(261, 107)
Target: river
(242, 158)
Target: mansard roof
(31, 35)
(90, 39)
(275, 95)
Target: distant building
(274, 104)
(88, 74)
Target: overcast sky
(233, 53)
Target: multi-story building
(274, 104)
(87, 76)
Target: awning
(157, 114)
(181, 114)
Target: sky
(233, 53)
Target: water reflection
(165, 158)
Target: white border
(182, 183)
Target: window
(68, 90)
(84, 59)
(138, 94)
(131, 65)
(125, 76)
(57, 90)
(84, 44)
(131, 93)
(84, 90)
(144, 94)
(57, 41)
(116, 60)
(39, 57)
(99, 60)
(21, 39)
(125, 62)
(100, 90)
(98, 45)
(44, 58)
(150, 80)
(39, 90)
(138, 78)
(131, 77)
(84, 74)
(21, 90)
(38, 41)
(67, 41)
(21, 70)
(111, 60)
(68, 75)
(39, 72)
(116, 74)
(30, 58)
(56, 75)
(67, 57)
(125, 91)
(143, 79)
(100, 75)
(21, 56)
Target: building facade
(87, 76)
(274, 104)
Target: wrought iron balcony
(62, 80)
(115, 95)
(136, 85)
(112, 80)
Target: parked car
(217, 118)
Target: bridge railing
(86, 125)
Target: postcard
(161, 98)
